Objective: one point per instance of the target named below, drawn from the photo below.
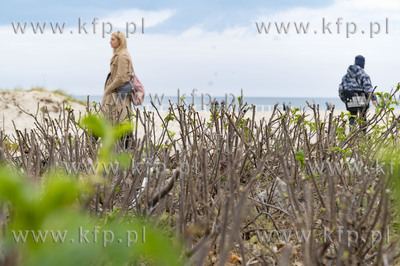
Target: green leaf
(122, 129)
(95, 124)
(300, 157)
(124, 159)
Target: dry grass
(224, 185)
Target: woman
(114, 105)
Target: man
(355, 91)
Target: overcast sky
(213, 46)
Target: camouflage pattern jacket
(356, 80)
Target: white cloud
(215, 62)
(372, 5)
(151, 18)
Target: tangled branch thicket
(293, 188)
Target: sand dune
(17, 105)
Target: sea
(261, 103)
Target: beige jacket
(115, 107)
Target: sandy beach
(18, 107)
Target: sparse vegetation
(295, 189)
(68, 98)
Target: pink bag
(138, 89)
(138, 94)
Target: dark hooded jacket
(356, 80)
